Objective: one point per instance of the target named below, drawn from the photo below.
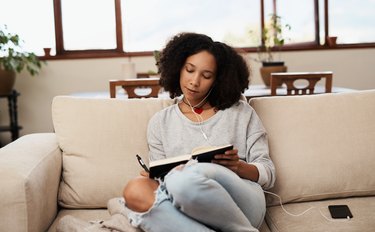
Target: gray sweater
(170, 133)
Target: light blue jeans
(203, 197)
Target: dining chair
(289, 79)
(143, 75)
(130, 86)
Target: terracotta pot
(331, 40)
(47, 52)
(7, 81)
(265, 72)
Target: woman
(224, 195)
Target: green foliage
(156, 54)
(151, 72)
(13, 57)
(272, 38)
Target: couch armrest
(30, 170)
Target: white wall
(352, 68)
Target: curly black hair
(232, 76)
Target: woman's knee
(139, 193)
(184, 180)
(183, 186)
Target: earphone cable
(199, 118)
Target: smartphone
(143, 165)
(340, 211)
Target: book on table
(159, 168)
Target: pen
(140, 161)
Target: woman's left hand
(230, 160)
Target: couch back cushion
(323, 146)
(99, 139)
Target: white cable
(300, 214)
(197, 105)
(199, 117)
(281, 204)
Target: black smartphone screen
(340, 211)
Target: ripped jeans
(203, 197)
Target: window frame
(60, 50)
(61, 53)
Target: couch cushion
(319, 218)
(322, 145)
(86, 215)
(99, 139)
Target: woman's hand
(229, 159)
(144, 173)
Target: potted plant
(13, 59)
(272, 40)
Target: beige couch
(323, 147)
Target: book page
(159, 168)
(198, 150)
(204, 149)
(170, 160)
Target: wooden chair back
(143, 75)
(290, 77)
(130, 85)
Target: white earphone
(199, 118)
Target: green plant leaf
(272, 37)
(15, 58)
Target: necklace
(197, 108)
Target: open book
(159, 168)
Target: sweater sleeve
(155, 144)
(258, 152)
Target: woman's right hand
(144, 173)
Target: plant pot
(266, 71)
(47, 52)
(7, 81)
(331, 40)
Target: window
(88, 24)
(149, 23)
(300, 17)
(352, 21)
(108, 28)
(35, 27)
(88, 28)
